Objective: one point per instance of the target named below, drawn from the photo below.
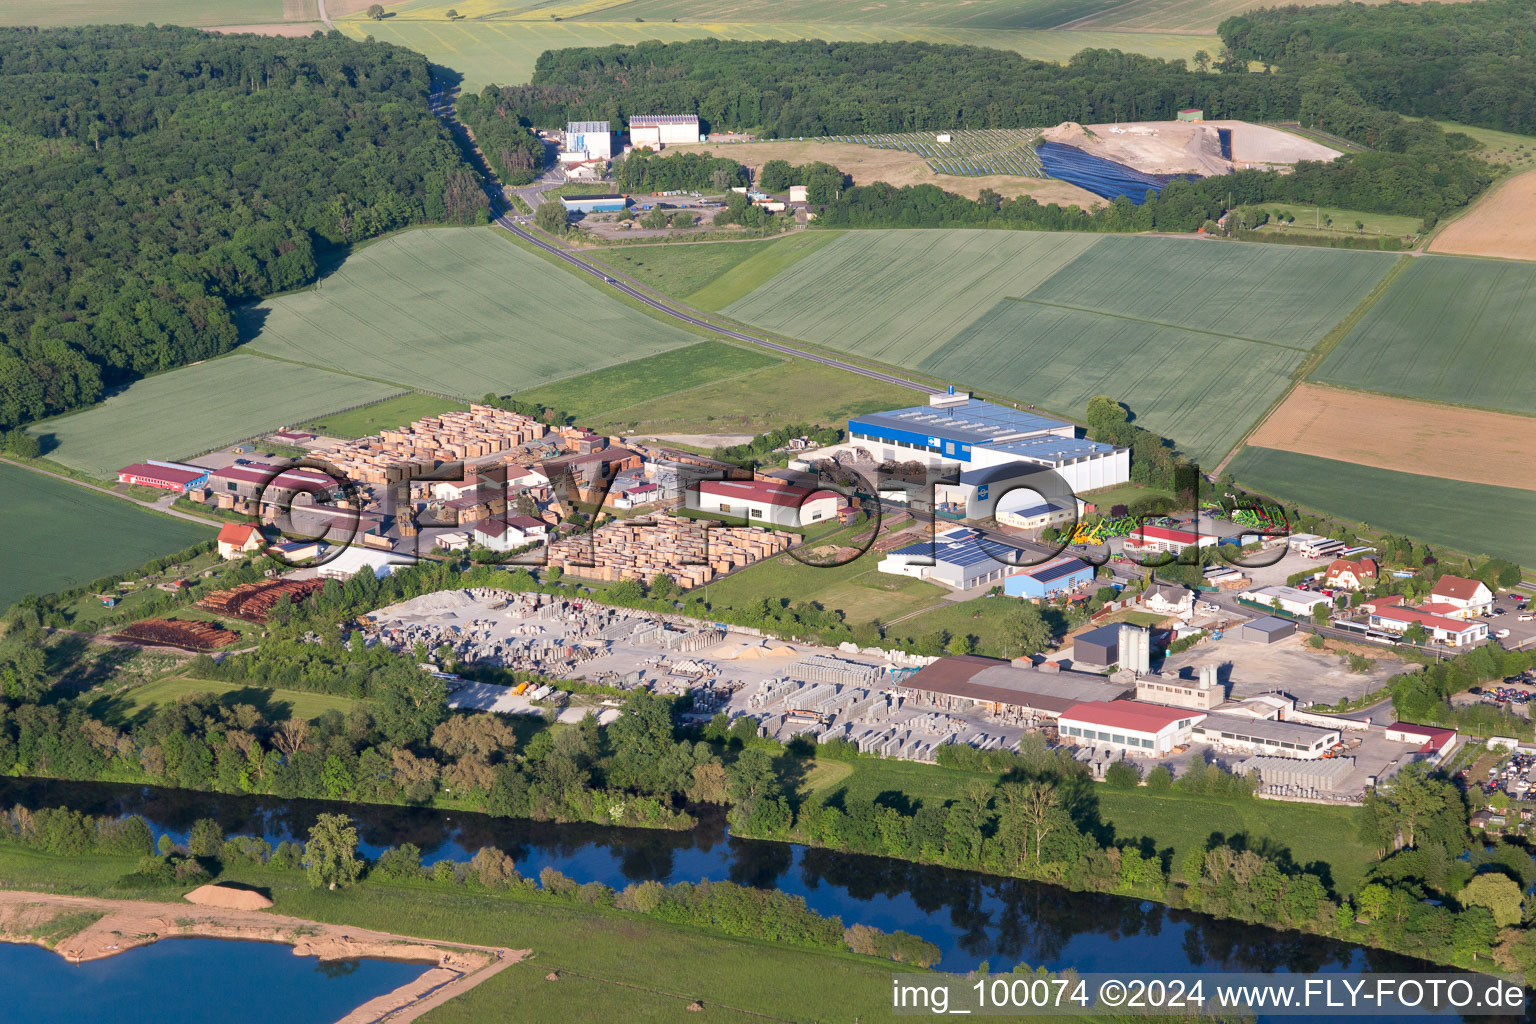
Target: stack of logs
(254, 601)
(188, 634)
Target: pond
(192, 981)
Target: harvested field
(186, 634)
(1449, 329)
(253, 601)
(1475, 518)
(1406, 435)
(291, 29)
(1175, 15)
(866, 164)
(1501, 223)
(197, 13)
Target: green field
(897, 295)
(795, 391)
(710, 275)
(1330, 220)
(392, 412)
(1278, 294)
(1201, 389)
(985, 618)
(858, 589)
(275, 704)
(1450, 329)
(1311, 833)
(48, 13)
(593, 396)
(1499, 147)
(459, 311)
(1214, 332)
(1475, 518)
(197, 408)
(503, 52)
(55, 535)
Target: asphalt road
(442, 105)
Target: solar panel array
(968, 154)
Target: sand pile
(1154, 147)
(752, 651)
(227, 897)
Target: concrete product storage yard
(789, 688)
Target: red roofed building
(1348, 574)
(771, 502)
(1432, 741)
(165, 478)
(1467, 597)
(1149, 729)
(1148, 539)
(1396, 618)
(238, 539)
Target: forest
(1471, 63)
(155, 176)
(514, 150)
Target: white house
(1351, 574)
(771, 502)
(1462, 597)
(1168, 600)
(510, 533)
(1291, 600)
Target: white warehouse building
(663, 130)
(592, 139)
(996, 449)
(772, 503)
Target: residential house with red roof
(1465, 598)
(236, 540)
(1351, 574)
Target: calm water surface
(971, 917)
(191, 981)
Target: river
(971, 917)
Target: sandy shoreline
(452, 968)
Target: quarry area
(1189, 147)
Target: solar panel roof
(975, 422)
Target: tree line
(156, 176)
(1473, 63)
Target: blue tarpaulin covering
(1101, 177)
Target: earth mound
(227, 897)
